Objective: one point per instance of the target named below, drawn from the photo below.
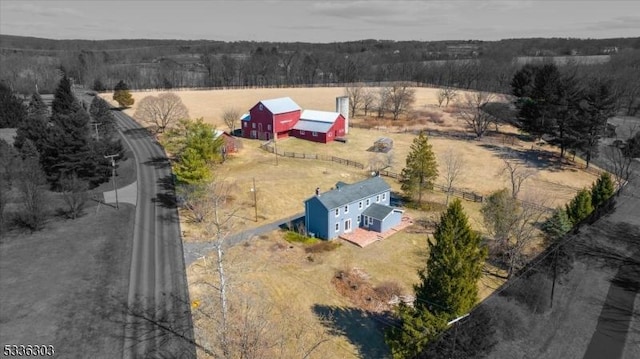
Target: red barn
(270, 119)
(319, 126)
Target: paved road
(158, 320)
(612, 331)
(158, 317)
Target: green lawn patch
(294, 237)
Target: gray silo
(342, 107)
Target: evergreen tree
(191, 168)
(500, 213)
(421, 168)
(579, 207)
(557, 225)
(597, 105)
(449, 284)
(35, 126)
(12, 111)
(417, 328)
(101, 114)
(122, 95)
(67, 147)
(602, 190)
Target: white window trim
(245, 125)
(301, 132)
(359, 219)
(368, 202)
(346, 209)
(337, 226)
(314, 134)
(348, 220)
(360, 205)
(268, 127)
(378, 199)
(253, 125)
(337, 212)
(384, 196)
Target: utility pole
(255, 198)
(95, 124)
(455, 332)
(113, 175)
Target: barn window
(314, 134)
(301, 132)
(253, 125)
(337, 212)
(360, 205)
(346, 209)
(261, 107)
(337, 226)
(245, 124)
(268, 127)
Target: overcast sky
(319, 21)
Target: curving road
(158, 320)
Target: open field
(287, 281)
(61, 285)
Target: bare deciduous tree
(518, 173)
(231, 116)
(382, 101)
(74, 194)
(355, 93)
(471, 112)
(368, 100)
(453, 167)
(161, 111)
(401, 98)
(446, 95)
(31, 181)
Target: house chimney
(317, 191)
(342, 107)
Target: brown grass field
(284, 277)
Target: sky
(320, 21)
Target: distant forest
(27, 62)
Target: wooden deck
(363, 237)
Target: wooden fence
(313, 156)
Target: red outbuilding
(319, 126)
(282, 117)
(270, 119)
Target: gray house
(364, 204)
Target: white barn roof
(280, 105)
(313, 126)
(320, 116)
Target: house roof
(280, 105)
(313, 126)
(378, 211)
(349, 193)
(320, 116)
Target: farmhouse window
(337, 226)
(337, 212)
(384, 196)
(314, 134)
(302, 133)
(368, 202)
(366, 220)
(377, 198)
(359, 219)
(346, 209)
(360, 205)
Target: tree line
(61, 148)
(145, 64)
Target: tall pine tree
(579, 207)
(12, 111)
(68, 146)
(122, 95)
(602, 190)
(35, 126)
(449, 284)
(421, 168)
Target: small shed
(383, 144)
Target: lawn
(63, 285)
